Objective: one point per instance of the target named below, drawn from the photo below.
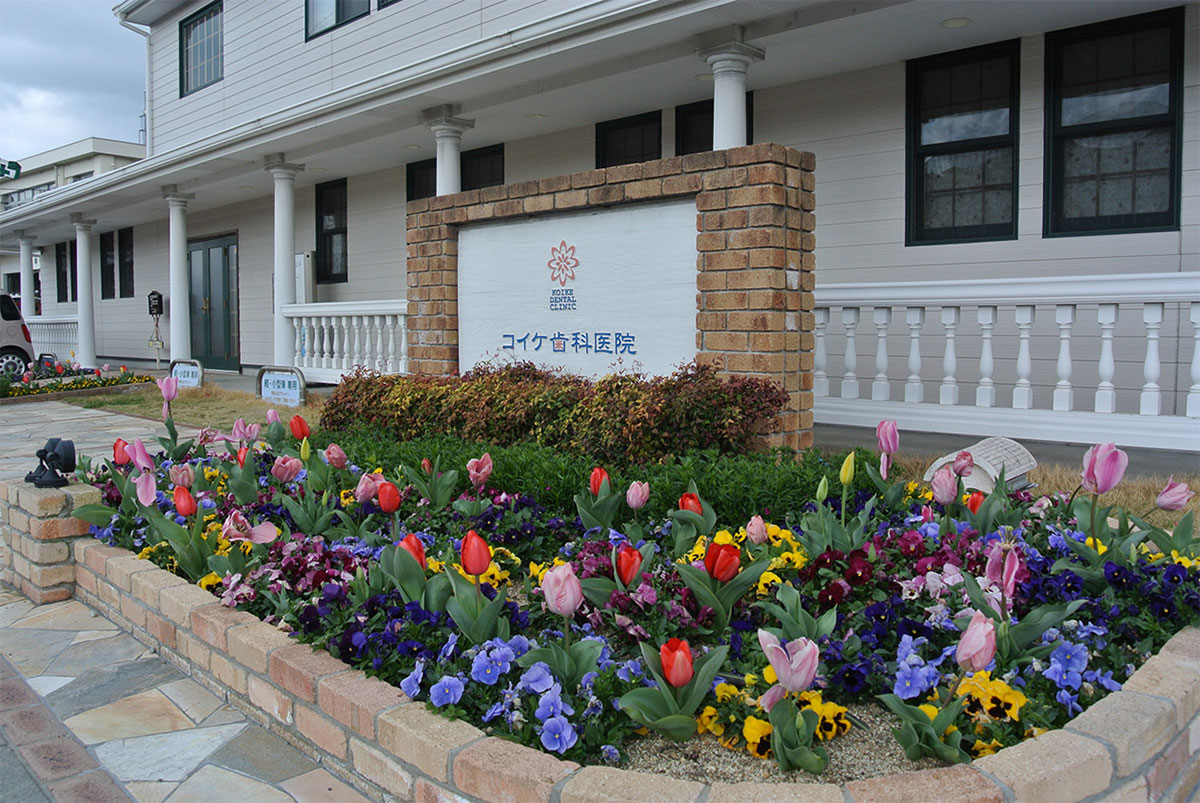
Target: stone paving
(88, 713)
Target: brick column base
(36, 531)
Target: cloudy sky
(68, 70)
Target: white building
(1007, 193)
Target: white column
(914, 391)
(948, 393)
(850, 316)
(820, 379)
(1106, 391)
(1023, 391)
(1151, 401)
(447, 132)
(1064, 396)
(985, 394)
(179, 289)
(729, 64)
(85, 354)
(881, 389)
(285, 252)
(28, 303)
(1193, 397)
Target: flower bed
(62, 378)
(979, 621)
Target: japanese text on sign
(575, 342)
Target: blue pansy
(447, 691)
(558, 735)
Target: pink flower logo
(562, 263)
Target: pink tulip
(287, 469)
(208, 435)
(563, 590)
(885, 463)
(478, 470)
(273, 417)
(368, 487)
(945, 486)
(1003, 565)
(1175, 496)
(146, 488)
(335, 457)
(977, 646)
(795, 665)
(1103, 467)
(245, 433)
(237, 528)
(637, 495)
(888, 435)
(963, 463)
(926, 514)
(169, 388)
(756, 530)
(182, 474)
(140, 457)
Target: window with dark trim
(386, 3)
(65, 260)
(629, 139)
(962, 146)
(481, 167)
(108, 265)
(1113, 126)
(201, 50)
(325, 15)
(331, 232)
(125, 262)
(694, 126)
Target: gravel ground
(862, 753)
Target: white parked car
(16, 346)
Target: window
(1113, 133)
(629, 139)
(26, 195)
(324, 15)
(65, 259)
(482, 167)
(386, 3)
(694, 126)
(962, 146)
(81, 177)
(201, 50)
(108, 266)
(125, 261)
(331, 232)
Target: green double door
(213, 267)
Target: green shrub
(621, 419)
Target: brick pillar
(37, 529)
(432, 268)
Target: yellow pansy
(726, 692)
(723, 537)
(765, 581)
(707, 722)
(834, 721)
(757, 733)
(931, 711)
(769, 676)
(1097, 545)
(981, 748)
(435, 565)
(750, 680)
(209, 580)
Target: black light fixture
(56, 456)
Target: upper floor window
(201, 50)
(694, 126)
(323, 15)
(962, 145)
(11, 199)
(331, 232)
(81, 177)
(482, 167)
(1113, 125)
(629, 139)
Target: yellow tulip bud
(305, 450)
(846, 475)
(822, 490)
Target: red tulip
(414, 547)
(120, 456)
(691, 502)
(975, 500)
(629, 561)
(389, 497)
(241, 456)
(426, 466)
(299, 427)
(722, 561)
(476, 554)
(676, 662)
(185, 504)
(599, 477)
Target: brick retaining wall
(1142, 743)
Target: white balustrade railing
(1080, 321)
(57, 335)
(332, 339)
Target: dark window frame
(66, 259)
(385, 3)
(310, 34)
(609, 127)
(188, 21)
(424, 172)
(108, 265)
(914, 233)
(325, 236)
(1056, 135)
(125, 262)
(703, 109)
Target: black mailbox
(155, 300)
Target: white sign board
(585, 292)
(281, 386)
(189, 373)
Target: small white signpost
(281, 385)
(189, 373)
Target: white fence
(57, 335)
(331, 339)
(1002, 314)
